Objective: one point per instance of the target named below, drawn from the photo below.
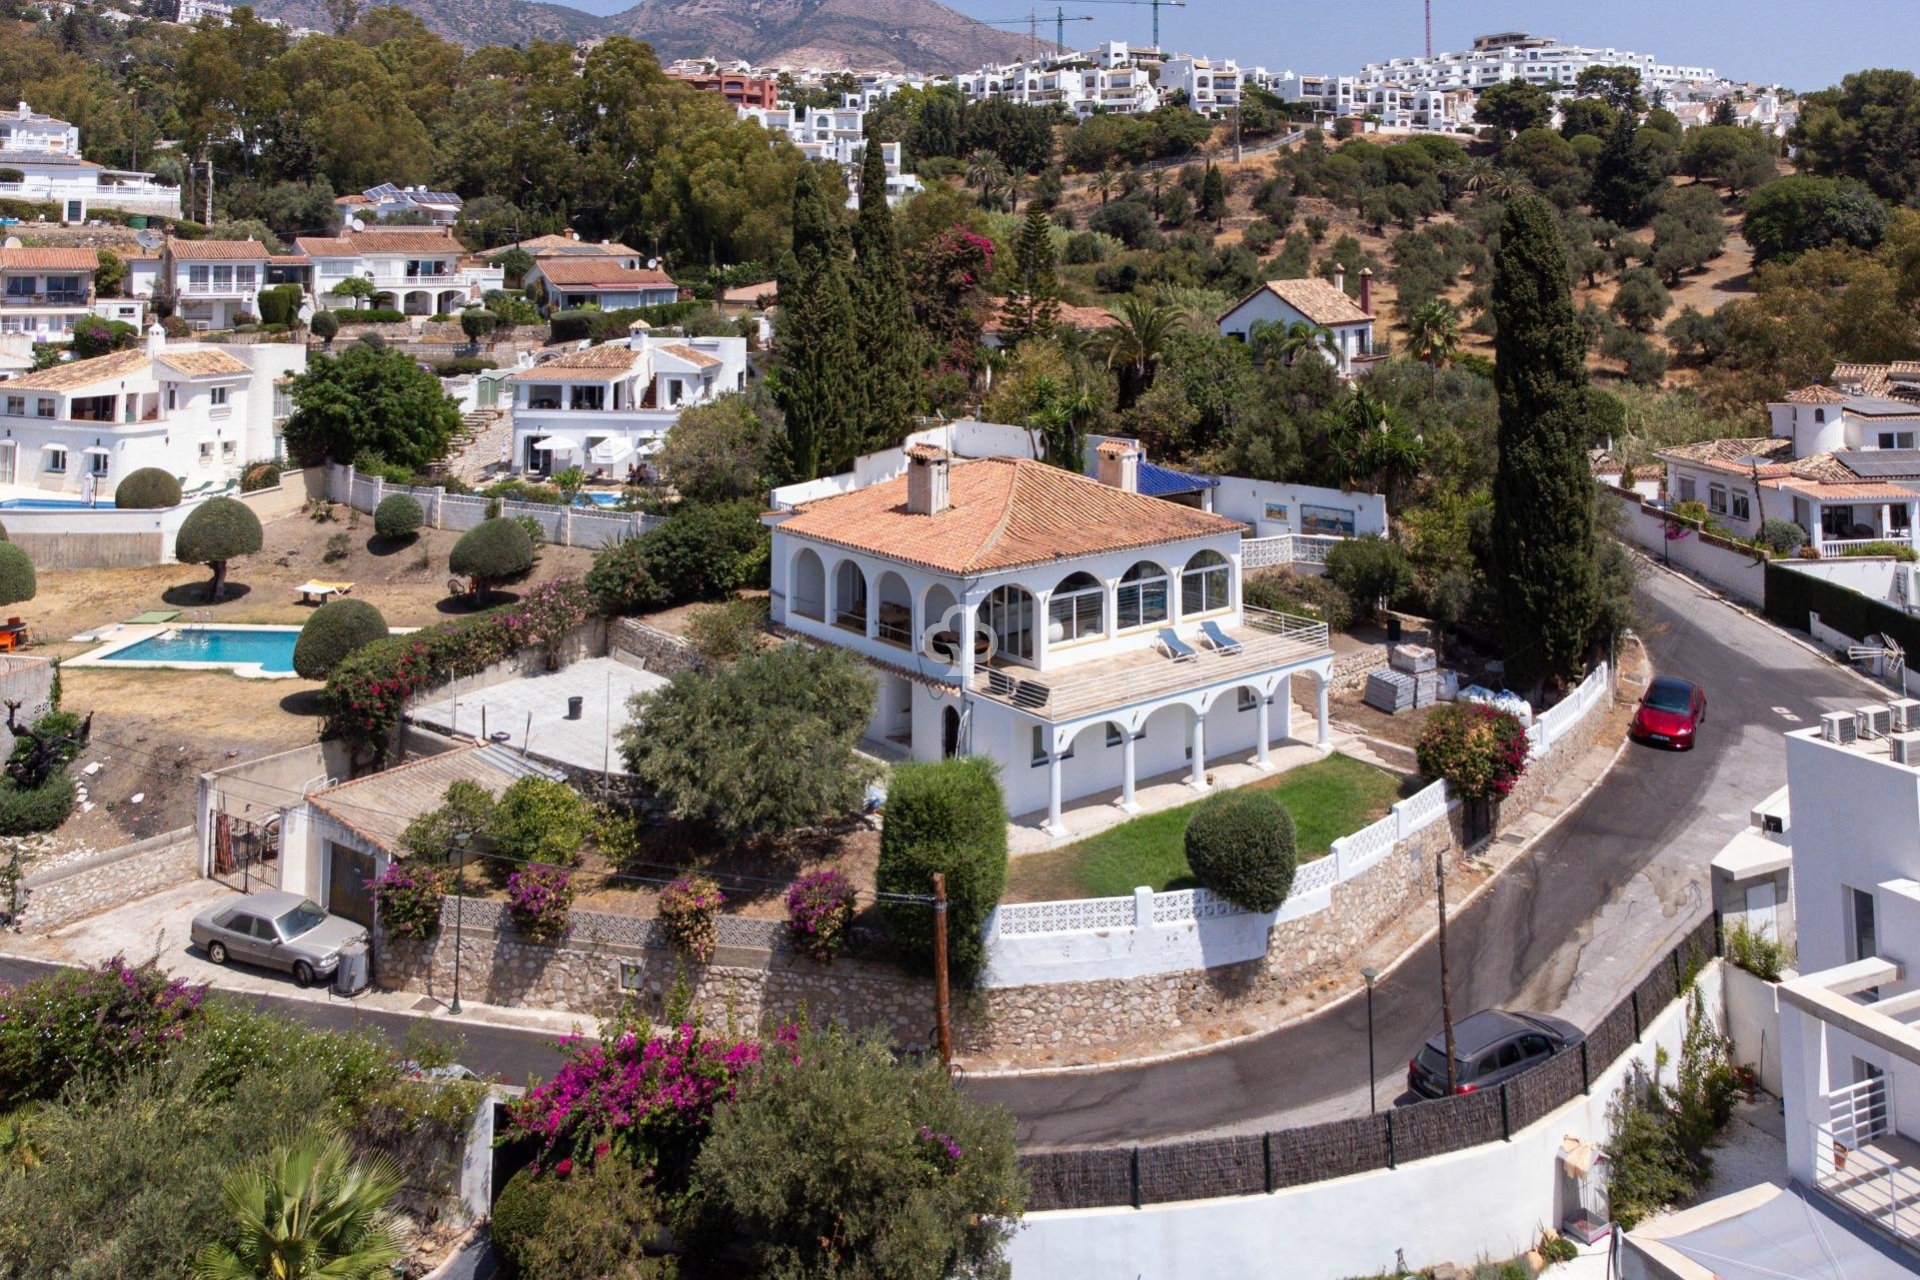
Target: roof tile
(75, 374)
(217, 250)
(51, 259)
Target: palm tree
(1156, 183)
(1134, 346)
(1433, 332)
(1272, 341)
(986, 171)
(1471, 174)
(1104, 182)
(308, 1212)
(1017, 184)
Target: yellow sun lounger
(320, 592)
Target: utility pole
(209, 218)
(1237, 155)
(941, 1025)
(1446, 998)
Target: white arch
(849, 595)
(807, 585)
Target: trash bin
(573, 707)
(355, 972)
(1393, 630)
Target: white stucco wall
(1249, 500)
(1856, 823)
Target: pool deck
(127, 634)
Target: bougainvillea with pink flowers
(538, 900)
(90, 1022)
(408, 895)
(1480, 750)
(687, 907)
(947, 277)
(819, 911)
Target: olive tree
(491, 552)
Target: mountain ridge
(921, 36)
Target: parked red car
(1670, 713)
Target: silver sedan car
(278, 931)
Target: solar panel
(1881, 464)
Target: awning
(97, 451)
(557, 444)
(51, 445)
(610, 451)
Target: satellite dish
(356, 224)
(13, 242)
(653, 264)
(150, 239)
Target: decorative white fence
(1286, 549)
(573, 526)
(1078, 940)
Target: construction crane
(1032, 23)
(1155, 5)
(1429, 28)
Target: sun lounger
(1222, 643)
(320, 592)
(1177, 649)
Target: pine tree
(1034, 309)
(1723, 112)
(816, 385)
(1543, 488)
(1213, 196)
(884, 332)
(1623, 176)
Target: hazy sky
(1798, 43)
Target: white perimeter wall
(1487, 1202)
(1737, 573)
(1246, 501)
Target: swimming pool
(600, 499)
(259, 652)
(53, 504)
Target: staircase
(484, 438)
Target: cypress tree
(1623, 176)
(1543, 548)
(1033, 310)
(816, 384)
(1213, 196)
(884, 331)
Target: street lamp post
(460, 841)
(1370, 973)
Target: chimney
(156, 338)
(1118, 465)
(926, 479)
(572, 234)
(1339, 277)
(1366, 290)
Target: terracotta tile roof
(607, 359)
(748, 293)
(380, 806)
(929, 452)
(51, 259)
(1002, 513)
(1731, 454)
(544, 246)
(1080, 319)
(289, 259)
(431, 241)
(1115, 448)
(699, 359)
(203, 364)
(217, 250)
(1895, 379)
(1816, 394)
(1821, 468)
(1856, 492)
(578, 271)
(84, 373)
(1317, 300)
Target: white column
(1260, 753)
(1127, 801)
(1325, 739)
(1054, 825)
(1283, 699)
(969, 615)
(1819, 526)
(1198, 779)
(1913, 528)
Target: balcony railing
(1841, 546)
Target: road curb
(1406, 953)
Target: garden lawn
(1328, 799)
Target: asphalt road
(1567, 929)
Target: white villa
(46, 153)
(1105, 641)
(1212, 85)
(441, 208)
(421, 271)
(600, 280)
(570, 245)
(216, 280)
(1841, 463)
(1110, 78)
(1318, 303)
(606, 408)
(198, 411)
(45, 292)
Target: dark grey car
(1489, 1048)
(276, 931)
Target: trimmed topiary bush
(17, 579)
(1783, 537)
(147, 489)
(519, 1214)
(491, 552)
(398, 516)
(946, 816)
(1240, 845)
(335, 630)
(325, 325)
(219, 530)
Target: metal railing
(1290, 625)
(1860, 1112)
(1885, 1193)
(1841, 546)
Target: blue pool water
(216, 646)
(601, 499)
(50, 504)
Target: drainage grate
(426, 1002)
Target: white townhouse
(197, 411)
(1842, 463)
(599, 280)
(1518, 55)
(1105, 80)
(215, 280)
(46, 153)
(1213, 85)
(421, 271)
(570, 245)
(1081, 635)
(45, 292)
(1324, 305)
(607, 408)
(838, 135)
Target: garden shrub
(459, 366)
(539, 898)
(409, 895)
(1480, 750)
(368, 315)
(1898, 550)
(820, 908)
(259, 475)
(325, 325)
(218, 530)
(519, 1215)
(723, 632)
(25, 813)
(702, 552)
(1240, 844)
(525, 491)
(1285, 591)
(1782, 537)
(398, 516)
(335, 630)
(687, 907)
(539, 820)
(492, 552)
(147, 489)
(947, 816)
(280, 304)
(465, 808)
(601, 1221)
(97, 1022)
(17, 579)
(1757, 951)
(1370, 569)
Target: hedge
(519, 1214)
(574, 324)
(1791, 596)
(1240, 844)
(368, 315)
(148, 489)
(22, 813)
(280, 304)
(947, 816)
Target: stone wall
(28, 681)
(1350, 670)
(63, 894)
(658, 651)
(1549, 770)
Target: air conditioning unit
(1906, 715)
(1905, 748)
(1839, 727)
(1874, 721)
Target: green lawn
(1329, 798)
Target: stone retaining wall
(74, 890)
(659, 651)
(1549, 770)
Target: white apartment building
(197, 411)
(216, 280)
(24, 131)
(44, 293)
(421, 271)
(607, 408)
(1516, 55)
(45, 151)
(1109, 78)
(1213, 86)
(837, 135)
(192, 11)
